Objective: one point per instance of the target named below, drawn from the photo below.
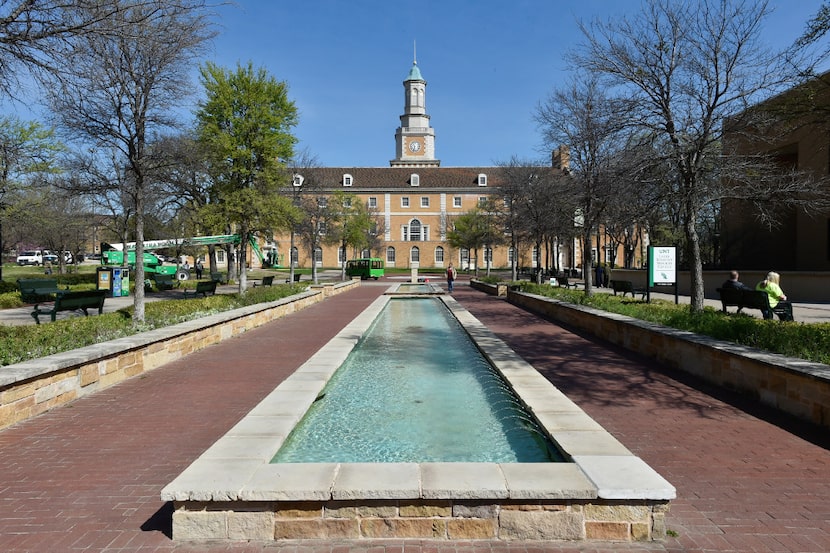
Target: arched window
(439, 255)
(295, 256)
(341, 255)
(365, 253)
(414, 230)
(415, 255)
(390, 255)
(318, 256)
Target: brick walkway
(86, 477)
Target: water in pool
(416, 389)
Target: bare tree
(35, 34)
(689, 67)
(121, 86)
(592, 124)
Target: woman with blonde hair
(777, 299)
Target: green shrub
(803, 341)
(21, 343)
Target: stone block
(251, 525)
(618, 531)
(472, 510)
(432, 509)
(200, 525)
(617, 513)
(299, 509)
(471, 529)
(353, 510)
(425, 528)
(640, 531)
(541, 525)
(332, 528)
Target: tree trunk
(587, 273)
(695, 263)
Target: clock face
(414, 146)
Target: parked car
(36, 257)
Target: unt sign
(662, 265)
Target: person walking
(199, 268)
(451, 274)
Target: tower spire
(414, 52)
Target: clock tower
(415, 139)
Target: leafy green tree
(470, 230)
(26, 149)
(352, 225)
(244, 124)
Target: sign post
(662, 268)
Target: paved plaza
(87, 476)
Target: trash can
(104, 280)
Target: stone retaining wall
(34, 387)
(436, 520)
(794, 386)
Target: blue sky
(487, 63)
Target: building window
(322, 227)
(347, 180)
(456, 201)
(295, 256)
(322, 201)
(415, 254)
(482, 201)
(318, 256)
(390, 255)
(220, 256)
(415, 230)
(415, 179)
(439, 255)
(298, 180)
(424, 201)
(365, 253)
(405, 201)
(488, 255)
(510, 256)
(347, 202)
(482, 179)
(465, 258)
(373, 202)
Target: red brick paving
(87, 476)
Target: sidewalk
(87, 476)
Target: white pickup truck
(36, 257)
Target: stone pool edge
(233, 492)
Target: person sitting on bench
(777, 298)
(734, 282)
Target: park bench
(563, 281)
(163, 282)
(627, 287)
(266, 281)
(203, 287)
(73, 301)
(34, 289)
(218, 278)
(754, 299)
(297, 277)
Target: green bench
(563, 281)
(218, 278)
(203, 287)
(627, 287)
(754, 299)
(34, 289)
(163, 282)
(266, 281)
(297, 277)
(73, 301)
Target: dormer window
(482, 179)
(347, 179)
(298, 180)
(414, 179)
